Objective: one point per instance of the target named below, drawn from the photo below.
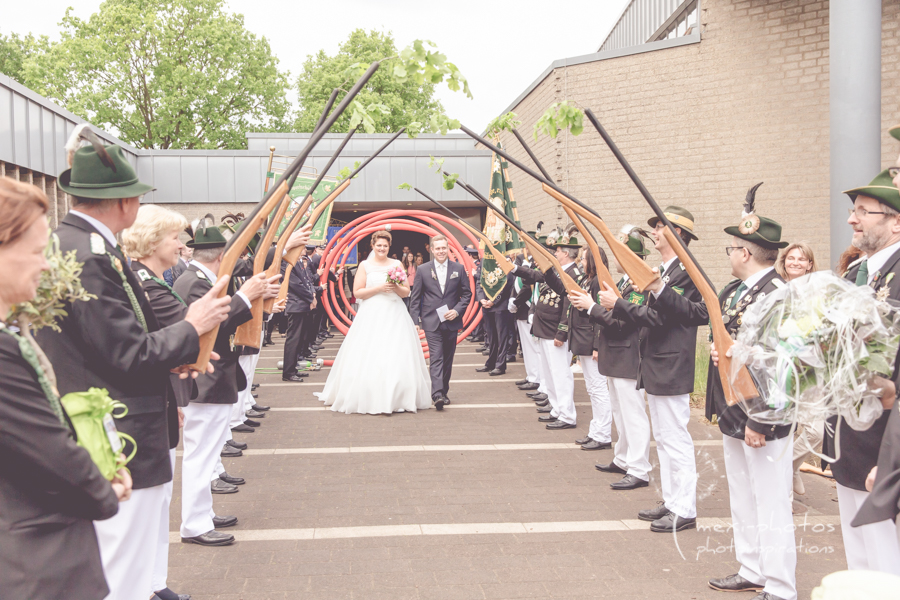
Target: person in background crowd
(115, 342)
(152, 244)
(498, 322)
(796, 261)
(849, 258)
(50, 489)
(301, 300)
(172, 274)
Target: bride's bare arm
(359, 285)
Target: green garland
(30, 356)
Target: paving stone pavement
(473, 519)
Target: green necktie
(862, 276)
(662, 269)
(737, 294)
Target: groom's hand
(450, 315)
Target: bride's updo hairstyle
(381, 235)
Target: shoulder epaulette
(778, 283)
(202, 275)
(144, 275)
(98, 245)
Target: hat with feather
(753, 228)
(636, 239)
(97, 171)
(565, 238)
(204, 234)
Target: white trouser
(669, 418)
(598, 391)
(531, 352)
(205, 430)
(759, 485)
(632, 451)
(557, 375)
(247, 363)
(128, 544)
(872, 547)
(161, 564)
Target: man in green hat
(875, 219)
(551, 328)
(617, 359)
(114, 342)
(758, 458)
(666, 371)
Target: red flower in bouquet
(396, 275)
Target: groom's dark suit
(426, 297)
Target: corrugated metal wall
(638, 22)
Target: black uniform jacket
(301, 289)
(668, 337)
(859, 449)
(732, 419)
(884, 501)
(102, 344)
(501, 302)
(221, 386)
(550, 313)
(582, 331)
(50, 491)
(522, 298)
(169, 309)
(618, 340)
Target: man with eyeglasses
(882, 505)
(668, 344)
(875, 219)
(758, 461)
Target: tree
(14, 51)
(165, 74)
(406, 102)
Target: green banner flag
(504, 239)
(298, 193)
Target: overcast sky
(501, 47)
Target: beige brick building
(746, 100)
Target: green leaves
(367, 116)
(405, 186)
(346, 171)
(449, 179)
(506, 122)
(61, 283)
(419, 64)
(560, 116)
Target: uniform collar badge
(98, 245)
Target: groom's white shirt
(441, 269)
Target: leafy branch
(560, 116)
(506, 122)
(345, 172)
(449, 178)
(405, 186)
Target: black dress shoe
(497, 372)
(734, 583)
(595, 445)
(446, 400)
(529, 386)
(546, 419)
(255, 415)
(236, 444)
(545, 408)
(510, 359)
(610, 468)
(629, 482)
(259, 408)
(482, 369)
(230, 452)
(224, 476)
(210, 538)
(295, 377)
(268, 343)
(438, 403)
(583, 440)
(243, 428)
(485, 352)
(652, 514)
(220, 487)
(328, 334)
(167, 594)
(542, 403)
(522, 382)
(766, 596)
(480, 349)
(672, 522)
(228, 521)
(560, 425)
(255, 395)
(252, 423)
(254, 387)
(317, 346)
(540, 397)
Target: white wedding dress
(380, 367)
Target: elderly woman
(50, 489)
(152, 244)
(795, 261)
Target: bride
(380, 367)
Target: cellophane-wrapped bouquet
(813, 347)
(396, 275)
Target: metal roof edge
(304, 135)
(686, 40)
(616, 24)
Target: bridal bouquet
(813, 347)
(396, 275)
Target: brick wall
(702, 123)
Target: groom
(440, 285)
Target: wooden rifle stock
(249, 333)
(226, 267)
(603, 274)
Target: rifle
(743, 381)
(260, 212)
(640, 272)
(502, 261)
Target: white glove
(512, 305)
(530, 319)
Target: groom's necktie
(442, 275)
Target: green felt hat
(881, 188)
(634, 238)
(566, 242)
(90, 178)
(679, 217)
(753, 228)
(542, 239)
(895, 131)
(233, 228)
(206, 235)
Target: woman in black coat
(50, 489)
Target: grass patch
(701, 369)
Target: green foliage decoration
(505, 122)
(559, 117)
